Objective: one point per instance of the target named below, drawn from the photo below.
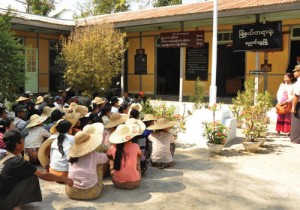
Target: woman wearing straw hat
(149, 119)
(100, 102)
(44, 150)
(140, 140)
(105, 114)
(115, 120)
(84, 115)
(163, 146)
(98, 129)
(36, 135)
(60, 148)
(124, 156)
(86, 167)
(74, 118)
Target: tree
(99, 7)
(163, 3)
(93, 56)
(38, 7)
(157, 3)
(12, 60)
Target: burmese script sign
(182, 39)
(197, 63)
(259, 36)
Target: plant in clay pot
(255, 123)
(215, 132)
(253, 112)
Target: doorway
(230, 71)
(31, 66)
(295, 51)
(168, 70)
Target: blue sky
(65, 4)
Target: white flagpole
(213, 87)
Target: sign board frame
(182, 39)
(258, 37)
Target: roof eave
(42, 24)
(209, 15)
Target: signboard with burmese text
(182, 39)
(196, 65)
(258, 36)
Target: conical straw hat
(84, 143)
(162, 123)
(116, 119)
(123, 133)
(36, 120)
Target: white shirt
(296, 89)
(58, 161)
(57, 105)
(114, 110)
(289, 88)
(36, 136)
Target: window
(31, 59)
(295, 33)
(224, 37)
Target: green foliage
(12, 60)
(215, 131)
(156, 3)
(147, 107)
(161, 110)
(199, 95)
(39, 7)
(244, 99)
(93, 56)
(42, 7)
(252, 113)
(163, 3)
(255, 122)
(99, 7)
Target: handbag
(283, 108)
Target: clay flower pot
(262, 141)
(251, 146)
(215, 148)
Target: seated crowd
(78, 145)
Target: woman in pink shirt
(85, 167)
(125, 157)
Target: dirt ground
(268, 179)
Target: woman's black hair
(291, 76)
(93, 107)
(104, 110)
(2, 111)
(63, 127)
(134, 114)
(123, 107)
(11, 138)
(118, 157)
(4, 124)
(97, 119)
(73, 160)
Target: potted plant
(215, 132)
(252, 111)
(236, 111)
